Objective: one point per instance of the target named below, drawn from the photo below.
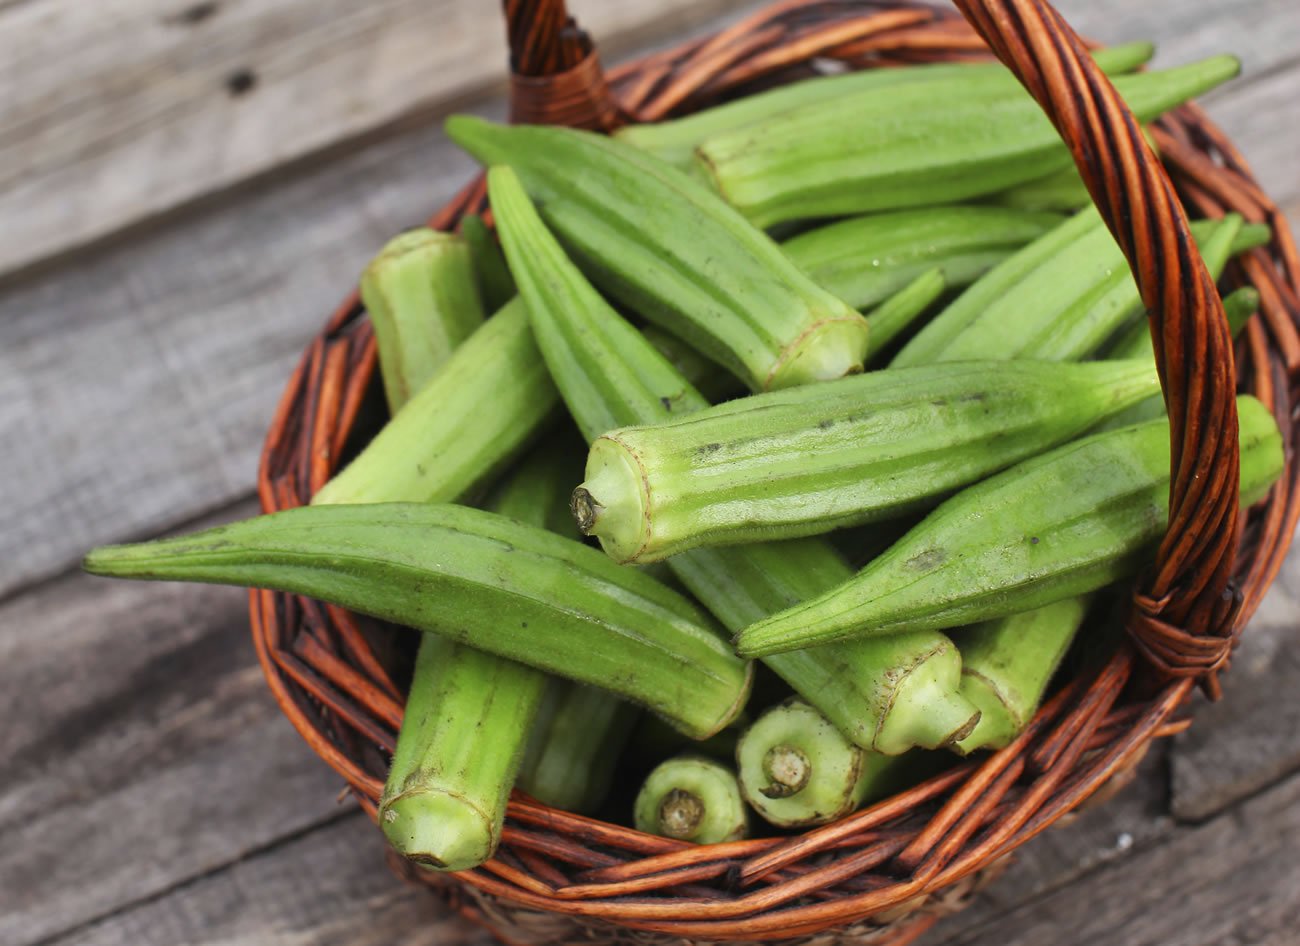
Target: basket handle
(1183, 611)
(555, 74)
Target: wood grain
(330, 887)
(1233, 880)
(141, 749)
(117, 111)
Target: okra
(461, 742)
(897, 313)
(808, 460)
(1061, 524)
(913, 145)
(675, 141)
(571, 759)
(611, 376)
(423, 302)
(692, 799)
(481, 409)
(494, 281)
(797, 770)
(671, 250)
(711, 380)
(1062, 191)
(1238, 307)
(1056, 306)
(1007, 664)
(864, 260)
(482, 580)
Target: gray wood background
(186, 189)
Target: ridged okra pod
(1061, 191)
(808, 460)
(675, 141)
(493, 276)
(865, 260)
(796, 770)
(692, 799)
(668, 248)
(575, 747)
(463, 734)
(479, 579)
(1007, 664)
(481, 409)
(610, 376)
(1061, 524)
(1059, 299)
(423, 302)
(900, 311)
(911, 146)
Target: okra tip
(828, 349)
(438, 830)
(611, 502)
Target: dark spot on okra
(667, 402)
(421, 469)
(709, 448)
(826, 424)
(1033, 540)
(523, 623)
(927, 560)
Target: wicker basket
(886, 873)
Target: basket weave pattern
(886, 873)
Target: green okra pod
(897, 313)
(808, 460)
(692, 799)
(1059, 299)
(611, 376)
(914, 144)
(713, 382)
(1007, 664)
(571, 759)
(423, 302)
(797, 770)
(865, 260)
(667, 247)
(482, 580)
(481, 409)
(494, 280)
(461, 742)
(1061, 524)
(675, 141)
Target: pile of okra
(802, 436)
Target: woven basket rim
(323, 671)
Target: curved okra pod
(1059, 299)
(482, 407)
(1007, 664)
(610, 376)
(675, 141)
(692, 799)
(865, 260)
(911, 146)
(495, 283)
(808, 460)
(796, 770)
(423, 302)
(1061, 524)
(670, 249)
(482, 580)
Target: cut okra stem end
(787, 769)
(438, 830)
(998, 722)
(680, 814)
(611, 503)
(689, 798)
(830, 348)
(928, 710)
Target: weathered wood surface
(116, 111)
(151, 792)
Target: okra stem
(692, 799)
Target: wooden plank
(1251, 738)
(141, 749)
(120, 110)
(328, 887)
(1235, 879)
